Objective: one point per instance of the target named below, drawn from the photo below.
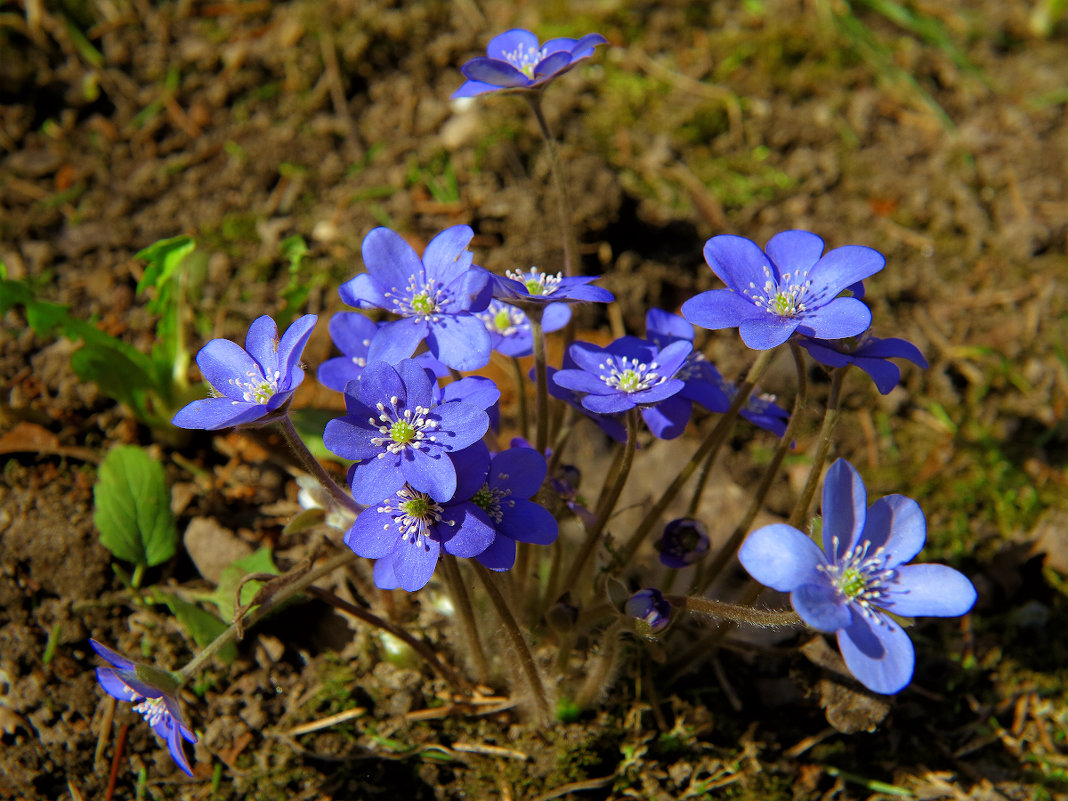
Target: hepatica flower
(399, 434)
(516, 60)
(251, 382)
(536, 288)
(352, 332)
(789, 286)
(684, 541)
(137, 684)
(650, 610)
(859, 576)
(436, 297)
(509, 326)
(871, 354)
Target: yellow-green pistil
(784, 297)
(629, 375)
(398, 430)
(423, 304)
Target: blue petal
(844, 507)
(668, 419)
(529, 522)
(930, 591)
(352, 332)
(460, 342)
(261, 343)
(662, 327)
(555, 317)
(212, 414)
(472, 532)
(821, 606)
(397, 340)
(613, 403)
(586, 294)
(467, 89)
(586, 356)
(660, 392)
(446, 256)
(114, 657)
(473, 389)
(781, 557)
(380, 382)
(896, 523)
(364, 292)
(413, 564)
(174, 745)
(499, 556)
(738, 262)
(561, 44)
(115, 686)
(336, 373)
(372, 535)
(842, 317)
(552, 64)
(886, 375)
(825, 352)
(383, 575)
(376, 479)
(880, 655)
(794, 251)
(673, 356)
(583, 48)
(521, 471)
(391, 261)
(494, 72)
(291, 348)
(418, 386)
(460, 424)
(721, 308)
(845, 266)
(432, 473)
(511, 41)
(350, 438)
(472, 465)
(767, 332)
(221, 361)
(892, 348)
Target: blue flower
(631, 373)
(609, 424)
(352, 332)
(859, 579)
(515, 60)
(514, 476)
(704, 384)
(136, 684)
(509, 327)
(536, 288)
(785, 288)
(871, 354)
(400, 435)
(251, 382)
(407, 531)
(684, 542)
(436, 297)
(651, 611)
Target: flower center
(630, 375)
(525, 59)
(502, 319)
(414, 513)
(152, 710)
(861, 576)
(785, 297)
(488, 499)
(418, 300)
(537, 283)
(257, 388)
(410, 428)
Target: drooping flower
(436, 297)
(859, 578)
(650, 610)
(516, 60)
(871, 354)
(533, 288)
(684, 542)
(400, 435)
(352, 332)
(509, 327)
(407, 531)
(629, 373)
(784, 288)
(252, 382)
(153, 692)
(514, 476)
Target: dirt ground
(935, 133)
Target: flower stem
(712, 443)
(340, 496)
(527, 664)
(730, 547)
(521, 398)
(563, 198)
(607, 502)
(287, 591)
(468, 626)
(830, 420)
(735, 613)
(541, 381)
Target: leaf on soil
(201, 624)
(132, 507)
(259, 561)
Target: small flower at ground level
(684, 542)
(514, 476)
(509, 326)
(784, 288)
(871, 354)
(629, 373)
(251, 382)
(352, 332)
(650, 609)
(407, 531)
(128, 681)
(536, 288)
(859, 578)
(400, 435)
(516, 60)
(436, 297)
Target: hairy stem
(563, 198)
(541, 382)
(735, 613)
(466, 615)
(339, 495)
(830, 420)
(521, 398)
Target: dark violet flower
(871, 354)
(536, 288)
(153, 692)
(251, 382)
(400, 435)
(684, 542)
(516, 60)
(514, 476)
(631, 373)
(474, 389)
(407, 531)
(650, 609)
(509, 327)
(859, 578)
(784, 288)
(352, 332)
(436, 297)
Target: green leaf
(201, 624)
(133, 511)
(257, 562)
(164, 258)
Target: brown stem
(830, 420)
(466, 615)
